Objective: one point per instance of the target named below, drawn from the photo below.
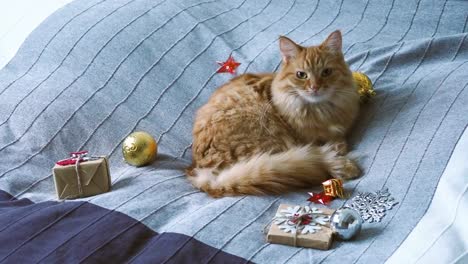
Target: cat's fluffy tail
(296, 168)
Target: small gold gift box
(333, 187)
(87, 178)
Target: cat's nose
(315, 88)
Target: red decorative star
(320, 197)
(228, 66)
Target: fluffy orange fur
(274, 133)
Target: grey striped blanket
(97, 70)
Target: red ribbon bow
(302, 219)
(79, 155)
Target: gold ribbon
(298, 219)
(77, 170)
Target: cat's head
(314, 74)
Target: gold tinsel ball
(364, 85)
(139, 149)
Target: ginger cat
(278, 132)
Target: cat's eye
(301, 75)
(326, 72)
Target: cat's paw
(340, 147)
(344, 168)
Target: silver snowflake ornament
(372, 206)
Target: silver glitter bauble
(345, 223)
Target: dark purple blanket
(72, 232)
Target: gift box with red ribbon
(301, 226)
(81, 175)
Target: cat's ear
(288, 48)
(333, 42)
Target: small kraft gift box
(301, 226)
(81, 176)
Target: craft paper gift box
(94, 175)
(315, 231)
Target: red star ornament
(320, 197)
(228, 66)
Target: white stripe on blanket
(18, 19)
(442, 234)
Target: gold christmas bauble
(363, 85)
(139, 149)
